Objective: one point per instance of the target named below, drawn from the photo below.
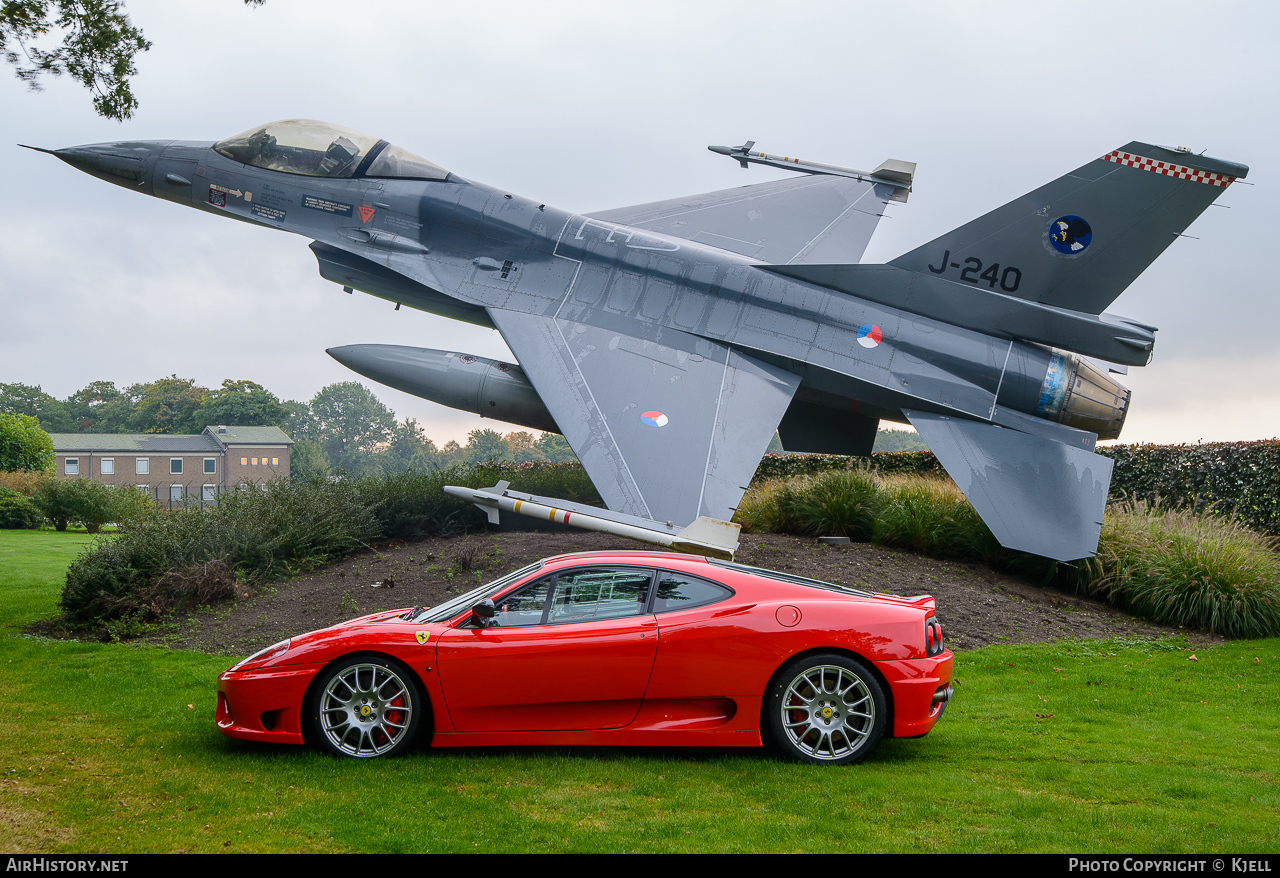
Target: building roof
(228, 435)
(211, 440)
(134, 443)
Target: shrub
(1188, 569)
(930, 515)
(88, 503)
(56, 500)
(26, 483)
(17, 512)
(257, 531)
(834, 503)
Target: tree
(486, 445)
(352, 424)
(241, 402)
(556, 448)
(168, 406)
(101, 408)
(98, 48)
(522, 447)
(410, 449)
(23, 445)
(23, 399)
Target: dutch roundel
(869, 335)
(654, 419)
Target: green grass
(1145, 750)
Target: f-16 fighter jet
(668, 341)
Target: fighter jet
(668, 341)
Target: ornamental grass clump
(930, 515)
(840, 503)
(1194, 570)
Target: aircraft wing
(669, 428)
(813, 219)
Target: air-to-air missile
(668, 341)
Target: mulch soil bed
(976, 605)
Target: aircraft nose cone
(127, 163)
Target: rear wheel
(827, 709)
(366, 706)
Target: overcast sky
(595, 105)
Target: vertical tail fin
(1079, 241)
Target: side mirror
(484, 609)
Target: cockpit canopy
(318, 149)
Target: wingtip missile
(705, 536)
(893, 172)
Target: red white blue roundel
(869, 335)
(654, 419)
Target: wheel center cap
(365, 710)
(826, 712)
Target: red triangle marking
(366, 213)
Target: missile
(894, 173)
(485, 387)
(705, 536)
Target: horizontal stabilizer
(1036, 495)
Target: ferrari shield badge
(423, 636)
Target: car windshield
(446, 611)
(320, 149)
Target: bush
(17, 512)
(88, 503)
(258, 531)
(1188, 569)
(834, 503)
(930, 515)
(26, 483)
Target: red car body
(695, 676)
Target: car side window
(524, 606)
(591, 595)
(680, 591)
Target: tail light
(932, 636)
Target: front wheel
(366, 706)
(827, 709)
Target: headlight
(262, 655)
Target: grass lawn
(1084, 747)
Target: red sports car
(618, 648)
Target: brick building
(175, 468)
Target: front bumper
(264, 705)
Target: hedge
(1239, 479)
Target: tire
(366, 706)
(827, 709)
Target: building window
(144, 490)
(209, 493)
(108, 466)
(275, 461)
(71, 466)
(175, 493)
(175, 466)
(210, 464)
(255, 461)
(142, 465)
(244, 461)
